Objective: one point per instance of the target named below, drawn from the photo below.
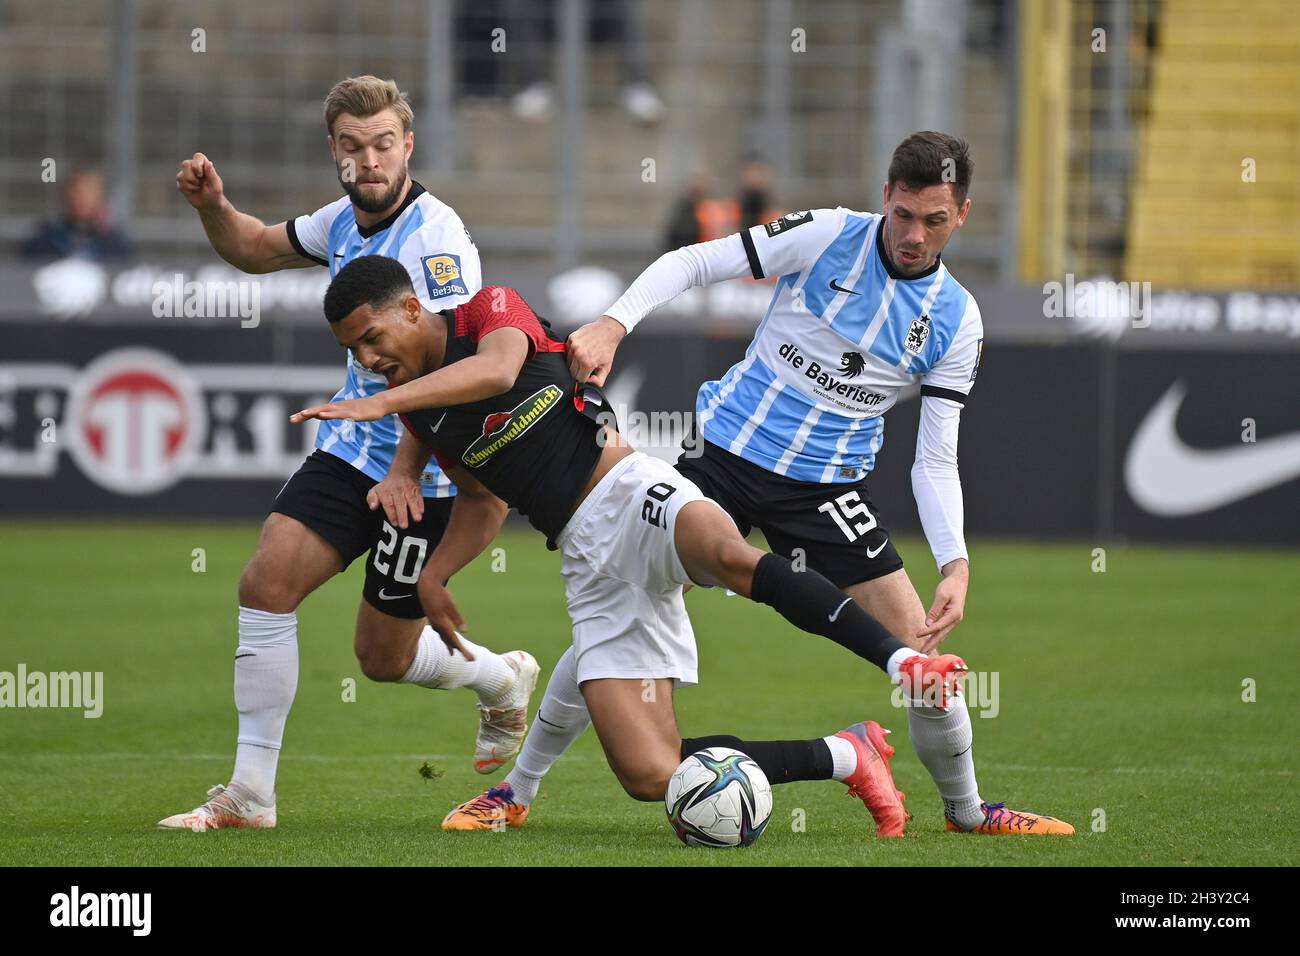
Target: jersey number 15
(849, 506)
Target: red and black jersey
(531, 446)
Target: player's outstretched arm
(591, 347)
(476, 518)
(501, 354)
(244, 241)
(490, 371)
(790, 244)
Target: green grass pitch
(1120, 694)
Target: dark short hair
(932, 159)
(366, 280)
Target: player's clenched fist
(591, 349)
(199, 183)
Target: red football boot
(931, 681)
(872, 782)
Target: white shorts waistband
(595, 496)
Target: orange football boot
(932, 681)
(872, 782)
(493, 810)
(999, 820)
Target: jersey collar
(412, 195)
(889, 266)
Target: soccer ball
(718, 797)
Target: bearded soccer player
(328, 514)
(863, 307)
(488, 390)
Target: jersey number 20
(654, 513)
(410, 559)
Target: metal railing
(134, 86)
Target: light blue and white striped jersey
(427, 237)
(843, 335)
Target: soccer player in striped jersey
(863, 307)
(343, 502)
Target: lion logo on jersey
(852, 364)
(917, 334)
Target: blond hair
(364, 96)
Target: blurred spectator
(82, 228)
(620, 20)
(481, 73)
(756, 192)
(699, 217)
(684, 225)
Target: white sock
(895, 662)
(437, 667)
(560, 720)
(266, 679)
(843, 757)
(943, 742)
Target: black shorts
(835, 528)
(329, 496)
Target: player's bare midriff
(613, 450)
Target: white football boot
(501, 729)
(230, 805)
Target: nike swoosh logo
(1169, 478)
(966, 751)
(249, 654)
(838, 609)
(440, 421)
(393, 597)
(872, 554)
(840, 288)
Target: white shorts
(622, 576)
